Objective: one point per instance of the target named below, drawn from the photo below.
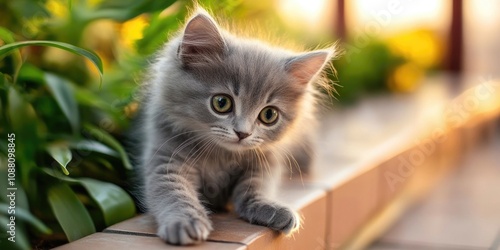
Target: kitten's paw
(185, 231)
(276, 217)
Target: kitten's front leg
(173, 201)
(252, 205)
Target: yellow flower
(57, 8)
(419, 46)
(131, 30)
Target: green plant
(364, 70)
(63, 122)
(35, 145)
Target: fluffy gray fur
(193, 161)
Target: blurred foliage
(397, 63)
(363, 70)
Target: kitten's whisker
(276, 158)
(203, 149)
(276, 148)
(163, 144)
(252, 165)
(204, 143)
(179, 149)
(211, 149)
(267, 165)
(196, 146)
(184, 144)
(256, 165)
(295, 162)
(260, 164)
(289, 155)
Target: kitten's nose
(242, 135)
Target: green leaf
(21, 113)
(115, 204)
(123, 10)
(65, 98)
(30, 72)
(88, 98)
(61, 153)
(94, 58)
(93, 146)
(8, 37)
(70, 212)
(23, 122)
(105, 137)
(25, 215)
(104, 163)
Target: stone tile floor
(462, 212)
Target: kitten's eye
(268, 115)
(222, 104)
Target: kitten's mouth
(237, 145)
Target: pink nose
(242, 135)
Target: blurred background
(69, 120)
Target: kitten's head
(238, 93)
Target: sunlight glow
(400, 15)
(302, 13)
(484, 11)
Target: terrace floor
(462, 211)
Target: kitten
(219, 116)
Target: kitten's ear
(306, 66)
(202, 41)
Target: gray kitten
(220, 114)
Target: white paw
(185, 232)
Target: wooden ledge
(309, 202)
(229, 229)
(119, 241)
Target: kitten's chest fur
(214, 170)
(219, 173)
(217, 179)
